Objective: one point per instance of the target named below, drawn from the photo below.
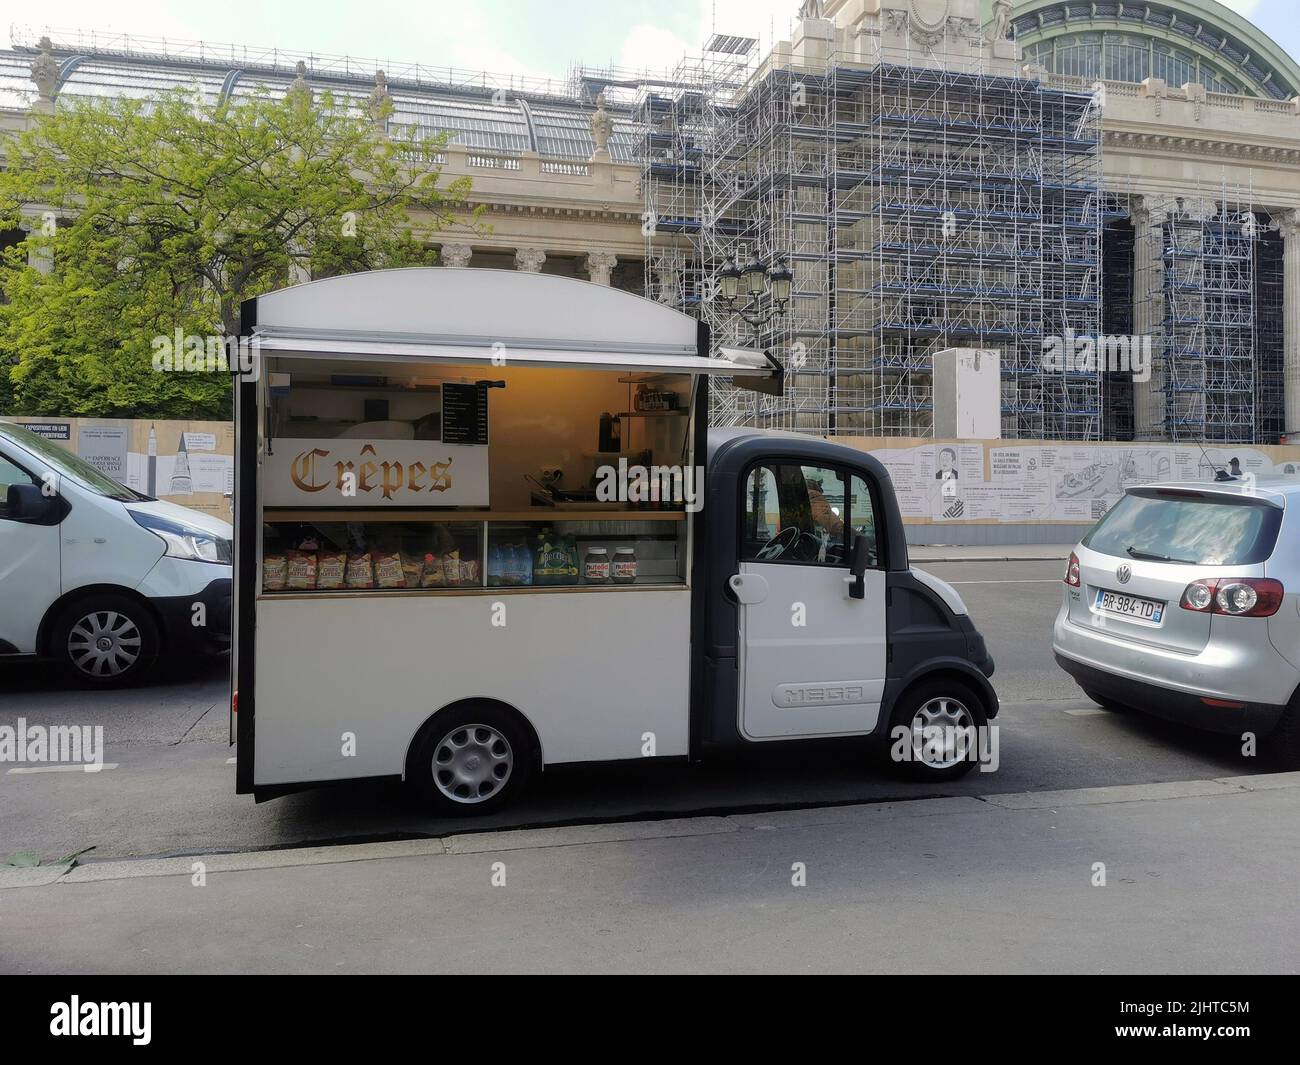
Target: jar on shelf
(623, 569)
(595, 566)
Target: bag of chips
(388, 570)
(361, 571)
(451, 566)
(275, 571)
(433, 575)
(412, 569)
(302, 570)
(331, 569)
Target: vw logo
(1124, 574)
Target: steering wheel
(779, 544)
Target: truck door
(811, 658)
(29, 567)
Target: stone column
(456, 254)
(1289, 224)
(600, 264)
(529, 260)
(1148, 314)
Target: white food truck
(483, 529)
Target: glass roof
(479, 122)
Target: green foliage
(170, 213)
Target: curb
(630, 831)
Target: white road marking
(64, 768)
(1089, 712)
(231, 761)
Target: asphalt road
(172, 788)
(1191, 878)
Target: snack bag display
(388, 570)
(469, 571)
(275, 572)
(433, 575)
(301, 570)
(361, 571)
(331, 569)
(412, 569)
(451, 566)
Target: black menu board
(465, 414)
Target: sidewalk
(990, 553)
(1198, 877)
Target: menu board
(465, 414)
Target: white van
(96, 575)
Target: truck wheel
(105, 641)
(471, 760)
(940, 717)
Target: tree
(163, 215)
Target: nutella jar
(623, 570)
(595, 566)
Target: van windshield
(1202, 530)
(66, 464)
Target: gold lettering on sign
(392, 478)
(440, 476)
(368, 470)
(302, 471)
(413, 477)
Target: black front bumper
(182, 636)
(1170, 705)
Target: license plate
(1130, 606)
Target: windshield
(1200, 529)
(66, 464)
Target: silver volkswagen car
(1184, 602)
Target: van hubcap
(943, 733)
(472, 763)
(104, 644)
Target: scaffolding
(1270, 413)
(919, 208)
(1202, 306)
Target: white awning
(482, 352)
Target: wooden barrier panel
(189, 463)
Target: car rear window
(1201, 530)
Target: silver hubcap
(943, 733)
(104, 644)
(472, 763)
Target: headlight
(185, 541)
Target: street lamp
(742, 288)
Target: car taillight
(1237, 597)
(1072, 571)
(234, 702)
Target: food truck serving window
(377, 479)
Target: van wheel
(105, 641)
(1106, 703)
(471, 760)
(941, 717)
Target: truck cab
(814, 622)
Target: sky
(536, 38)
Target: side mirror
(859, 562)
(26, 502)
